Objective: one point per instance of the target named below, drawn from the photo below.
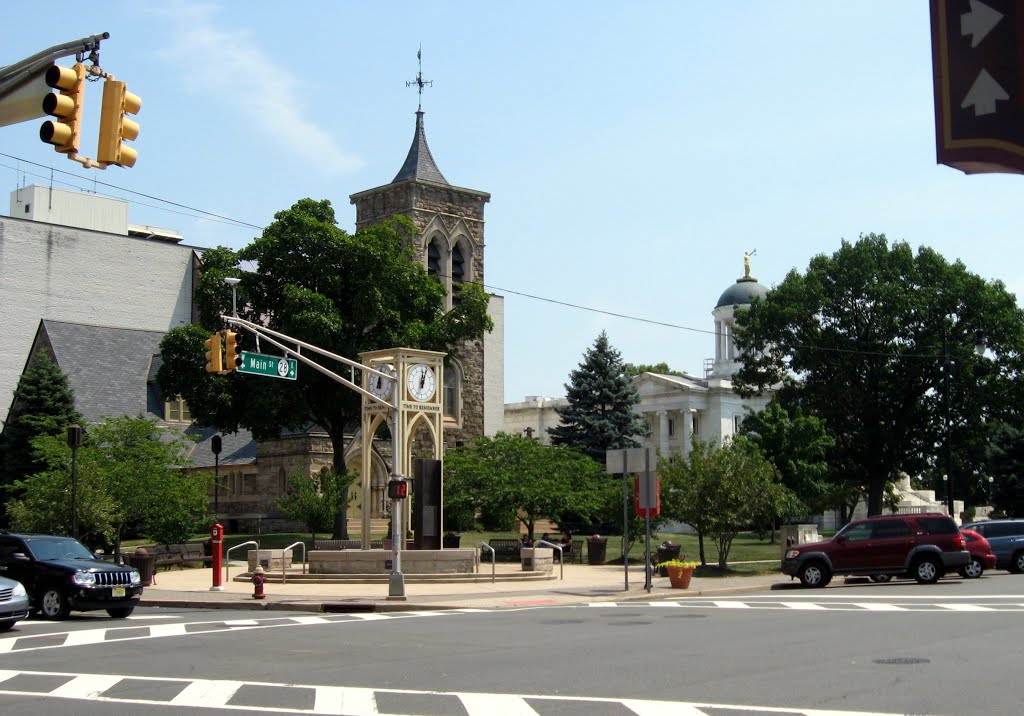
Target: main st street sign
(978, 69)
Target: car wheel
(4, 626)
(927, 570)
(54, 605)
(881, 577)
(1017, 563)
(120, 612)
(815, 574)
(973, 570)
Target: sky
(633, 151)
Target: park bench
(504, 549)
(170, 555)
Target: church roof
(742, 293)
(419, 163)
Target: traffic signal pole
(16, 79)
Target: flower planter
(679, 577)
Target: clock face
(421, 382)
(379, 386)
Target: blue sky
(633, 151)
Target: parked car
(922, 546)
(13, 603)
(1007, 540)
(61, 574)
(982, 557)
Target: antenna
(419, 81)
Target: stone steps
(476, 578)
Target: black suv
(923, 546)
(61, 574)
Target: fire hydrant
(258, 580)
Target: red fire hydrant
(258, 580)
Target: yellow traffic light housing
(232, 350)
(66, 106)
(115, 127)
(214, 357)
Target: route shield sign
(978, 71)
(273, 366)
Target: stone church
(69, 286)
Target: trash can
(597, 549)
(142, 561)
(666, 551)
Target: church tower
(450, 245)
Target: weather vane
(419, 81)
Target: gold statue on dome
(746, 263)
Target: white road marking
(340, 700)
(802, 605)
(966, 607)
(875, 607)
(87, 686)
(85, 636)
(495, 705)
(731, 605)
(242, 622)
(213, 693)
(662, 708)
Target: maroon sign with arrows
(978, 63)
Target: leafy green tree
(344, 293)
(858, 341)
(601, 399)
(720, 491)
(129, 480)
(44, 404)
(798, 446)
(1006, 467)
(314, 500)
(634, 369)
(516, 474)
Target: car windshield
(45, 548)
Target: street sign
(273, 366)
(978, 72)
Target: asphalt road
(902, 648)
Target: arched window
(434, 260)
(452, 391)
(458, 272)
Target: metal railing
(227, 557)
(494, 557)
(561, 556)
(284, 571)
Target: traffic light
(115, 127)
(398, 489)
(214, 357)
(63, 133)
(232, 350)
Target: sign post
(978, 72)
(639, 460)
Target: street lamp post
(74, 441)
(947, 368)
(215, 446)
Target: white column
(663, 433)
(687, 426)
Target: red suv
(924, 547)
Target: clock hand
(423, 378)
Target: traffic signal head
(214, 357)
(63, 133)
(398, 489)
(115, 127)
(232, 350)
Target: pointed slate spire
(419, 163)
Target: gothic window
(458, 272)
(176, 411)
(434, 260)
(452, 391)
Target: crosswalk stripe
(495, 705)
(167, 630)
(809, 606)
(341, 700)
(876, 607)
(661, 708)
(86, 687)
(210, 693)
(966, 607)
(89, 636)
(731, 605)
(310, 620)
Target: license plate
(117, 592)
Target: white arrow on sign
(979, 21)
(983, 95)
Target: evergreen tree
(599, 416)
(44, 404)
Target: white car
(13, 603)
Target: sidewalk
(582, 584)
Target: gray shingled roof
(419, 163)
(236, 448)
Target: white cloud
(228, 65)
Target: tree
(343, 293)
(634, 369)
(1006, 467)
(798, 446)
(722, 491)
(599, 415)
(314, 500)
(129, 480)
(517, 475)
(44, 404)
(858, 341)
